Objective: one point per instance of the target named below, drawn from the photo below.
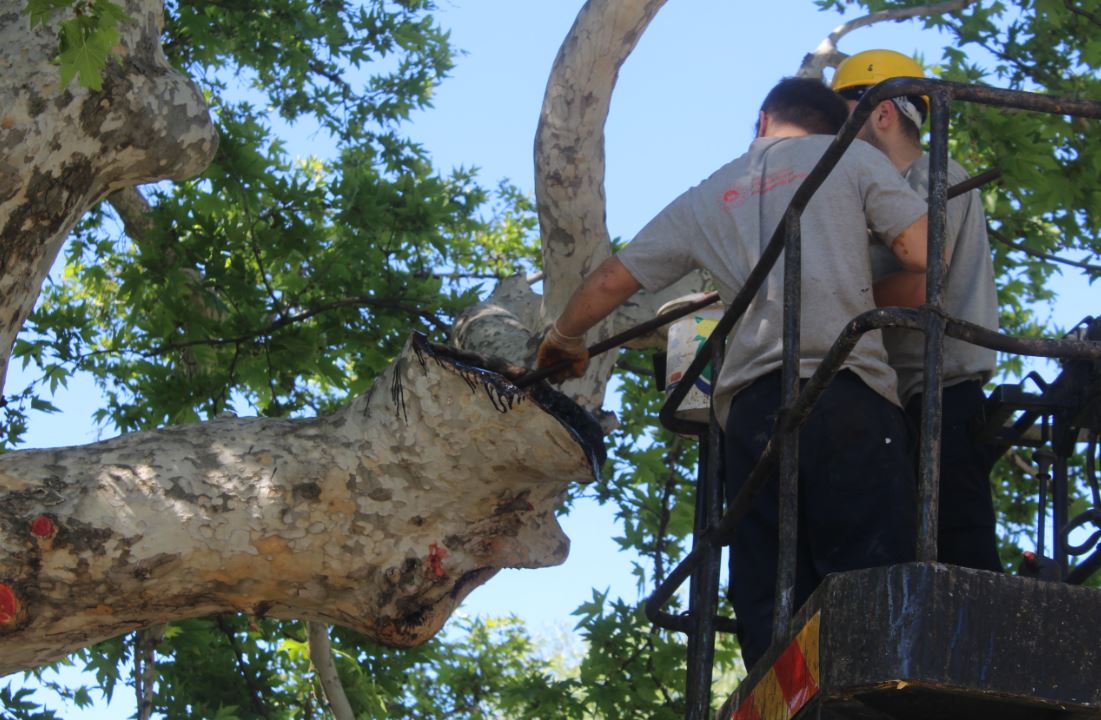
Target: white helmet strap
(908, 109)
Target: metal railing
(713, 529)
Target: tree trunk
(64, 149)
(569, 190)
(380, 517)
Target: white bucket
(684, 338)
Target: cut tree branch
(380, 517)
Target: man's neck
(904, 154)
(778, 130)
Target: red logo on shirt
(736, 196)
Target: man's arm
(604, 290)
(911, 244)
(900, 289)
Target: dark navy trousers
(966, 529)
(857, 496)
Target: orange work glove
(557, 348)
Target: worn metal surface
(924, 640)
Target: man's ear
(762, 124)
(884, 115)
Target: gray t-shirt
(968, 290)
(723, 224)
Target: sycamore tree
(288, 288)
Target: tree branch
(242, 665)
(321, 655)
(380, 517)
(299, 317)
(827, 54)
(1090, 17)
(134, 210)
(145, 668)
(1000, 237)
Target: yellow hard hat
(859, 72)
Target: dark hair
(808, 104)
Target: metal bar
(1060, 509)
(1085, 569)
(974, 181)
(933, 322)
(1043, 457)
(1015, 99)
(783, 605)
(704, 591)
(830, 365)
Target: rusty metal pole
(933, 324)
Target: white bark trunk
(569, 189)
(63, 149)
(380, 518)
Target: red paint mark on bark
(9, 605)
(436, 554)
(43, 527)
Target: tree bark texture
(569, 190)
(380, 517)
(64, 149)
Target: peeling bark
(381, 517)
(64, 149)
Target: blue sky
(685, 103)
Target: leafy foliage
(85, 40)
(285, 284)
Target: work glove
(557, 348)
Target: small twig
(321, 655)
(827, 54)
(1042, 255)
(664, 516)
(242, 665)
(1095, 19)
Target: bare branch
(321, 655)
(827, 54)
(145, 668)
(1000, 237)
(135, 211)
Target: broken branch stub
(381, 517)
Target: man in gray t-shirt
(966, 527)
(856, 481)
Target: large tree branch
(827, 55)
(147, 123)
(380, 517)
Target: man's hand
(557, 348)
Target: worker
(966, 529)
(857, 488)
